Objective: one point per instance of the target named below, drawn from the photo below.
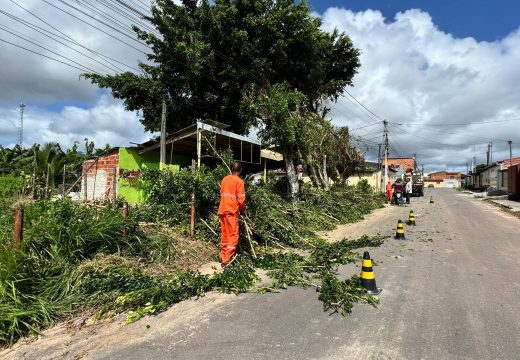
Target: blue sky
(482, 19)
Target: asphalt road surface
(450, 291)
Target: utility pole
(491, 152)
(379, 156)
(162, 156)
(20, 124)
(385, 124)
(474, 164)
(487, 153)
(510, 143)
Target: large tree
(209, 53)
(210, 57)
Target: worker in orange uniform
(389, 191)
(232, 203)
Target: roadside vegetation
(75, 258)
(41, 170)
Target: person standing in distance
(232, 203)
(409, 190)
(388, 191)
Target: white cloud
(412, 72)
(106, 122)
(79, 109)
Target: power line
(49, 50)
(465, 134)
(129, 7)
(362, 127)
(103, 31)
(140, 5)
(99, 21)
(67, 37)
(121, 13)
(104, 15)
(46, 56)
(353, 113)
(363, 106)
(34, 28)
(463, 124)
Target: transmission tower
(20, 124)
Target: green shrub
(10, 185)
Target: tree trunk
(326, 183)
(292, 176)
(312, 172)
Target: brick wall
(101, 178)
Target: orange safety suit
(388, 191)
(232, 202)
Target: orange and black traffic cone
(399, 233)
(411, 218)
(431, 199)
(368, 278)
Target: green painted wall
(130, 159)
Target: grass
(75, 257)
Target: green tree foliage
(45, 164)
(210, 53)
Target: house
(402, 165)
(497, 176)
(116, 172)
(486, 177)
(503, 173)
(444, 179)
(513, 181)
(373, 174)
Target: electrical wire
(49, 50)
(364, 107)
(103, 31)
(105, 57)
(463, 124)
(46, 56)
(35, 28)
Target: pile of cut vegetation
(75, 258)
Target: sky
(444, 74)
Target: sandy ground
(449, 292)
(98, 340)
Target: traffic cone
(431, 199)
(368, 278)
(399, 233)
(411, 218)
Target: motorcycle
(398, 198)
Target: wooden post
(265, 171)
(47, 182)
(114, 186)
(18, 229)
(199, 147)
(162, 154)
(192, 224)
(125, 216)
(34, 182)
(64, 175)
(84, 182)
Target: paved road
(451, 291)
